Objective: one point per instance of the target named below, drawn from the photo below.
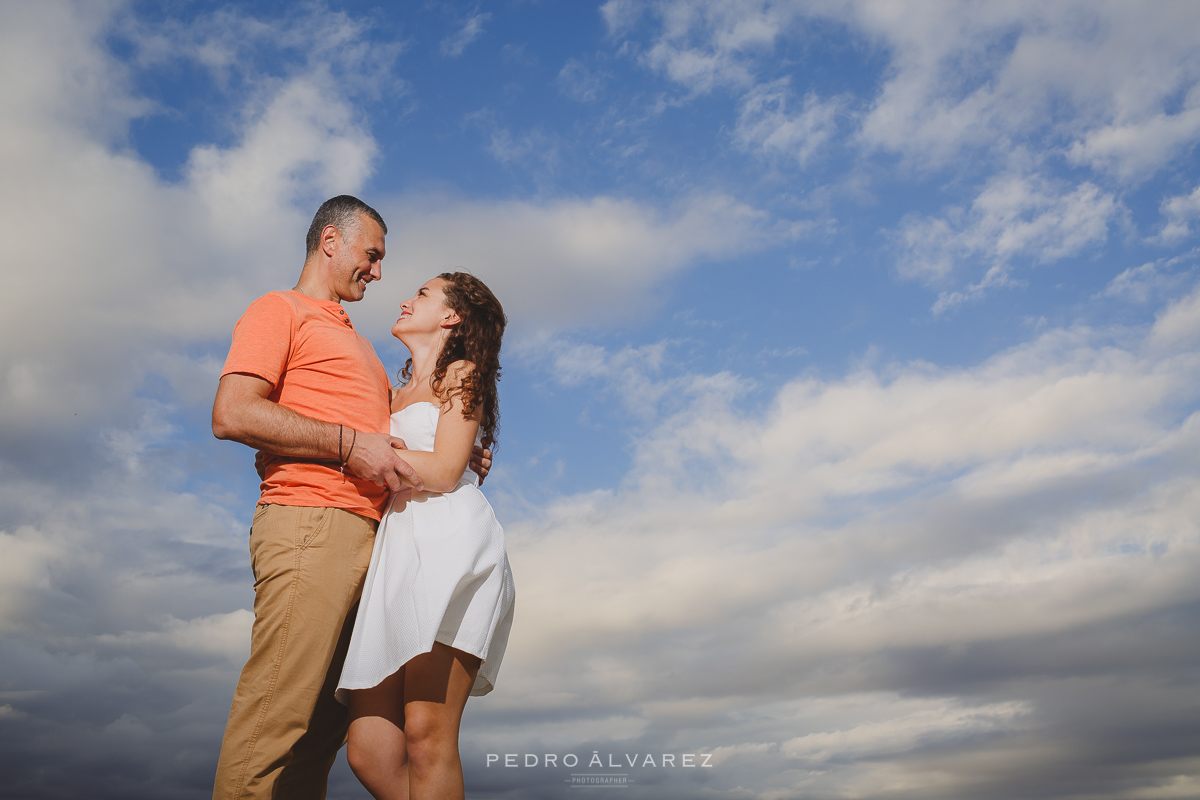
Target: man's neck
(310, 285)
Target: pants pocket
(312, 527)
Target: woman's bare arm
(454, 441)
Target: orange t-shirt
(318, 366)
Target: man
(305, 389)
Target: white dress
(438, 573)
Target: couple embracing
(366, 493)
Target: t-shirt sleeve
(262, 339)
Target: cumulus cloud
(904, 580)
(83, 330)
(306, 141)
(123, 619)
(125, 579)
(123, 611)
(909, 572)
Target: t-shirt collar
(333, 307)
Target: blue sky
(849, 404)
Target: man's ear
(330, 238)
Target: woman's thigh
(436, 687)
(378, 710)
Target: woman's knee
(363, 758)
(430, 736)
(358, 757)
(372, 755)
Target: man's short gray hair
(342, 212)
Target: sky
(849, 432)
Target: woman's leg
(436, 687)
(376, 747)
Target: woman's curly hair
(475, 339)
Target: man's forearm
(242, 413)
(264, 425)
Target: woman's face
(426, 312)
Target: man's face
(358, 259)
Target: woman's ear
(451, 319)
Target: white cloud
(237, 48)
(991, 93)
(965, 75)
(764, 122)
(564, 261)
(902, 579)
(620, 15)
(119, 580)
(1135, 151)
(645, 380)
(226, 635)
(578, 82)
(307, 141)
(1178, 324)
(705, 45)
(919, 722)
(631, 370)
(472, 29)
(138, 267)
(894, 527)
(1014, 218)
(26, 557)
(531, 147)
(1150, 281)
(1098, 80)
(1058, 410)
(1179, 211)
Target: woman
(438, 599)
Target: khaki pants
(285, 727)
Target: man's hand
(374, 458)
(481, 463)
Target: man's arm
(242, 413)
